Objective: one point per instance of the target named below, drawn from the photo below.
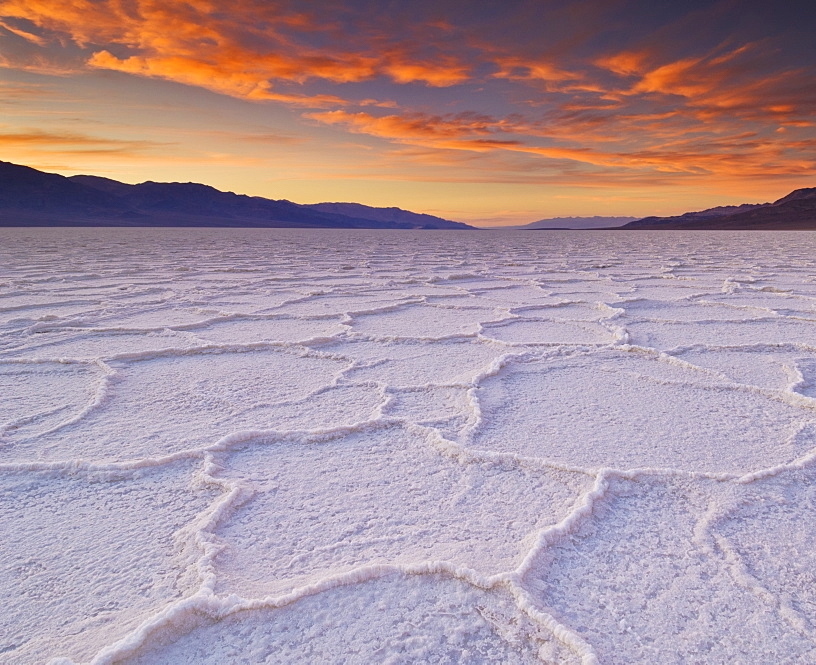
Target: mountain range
(29, 197)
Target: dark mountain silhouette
(392, 215)
(29, 197)
(33, 198)
(796, 211)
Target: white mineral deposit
(292, 446)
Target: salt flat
(282, 446)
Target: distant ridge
(796, 211)
(562, 223)
(29, 197)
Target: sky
(489, 112)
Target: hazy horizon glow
(474, 111)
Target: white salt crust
(282, 446)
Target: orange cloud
(20, 32)
(441, 75)
(519, 68)
(745, 154)
(245, 84)
(463, 132)
(414, 126)
(246, 52)
(625, 63)
(677, 78)
(731, 80)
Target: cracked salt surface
(279, 446)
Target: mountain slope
(392, 215)
(26, 189)
(32, 198)
(795, 211)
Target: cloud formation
(246, 51)
(585, 88)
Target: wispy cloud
(39, 144)
(27, 35)
(10, 92)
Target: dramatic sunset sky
(481, 111)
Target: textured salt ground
(628, 409)
(774, 368)
(694, 311)
(87, 556)
(170, 403)
(269, 330)
(671, 335)
(408, 363)
(288, 446)
(544, 332)
(333, 520)
(427, 405)
(39, 395)
(75, 343)
(396, 619)
(648, 580)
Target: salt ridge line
(454, 450)
(714, 543)
(798, 401)
(78, 335)
(788, 396)
(222, 607)
(25, 420)
(348, 320)
(99, 398)
(446, 446)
